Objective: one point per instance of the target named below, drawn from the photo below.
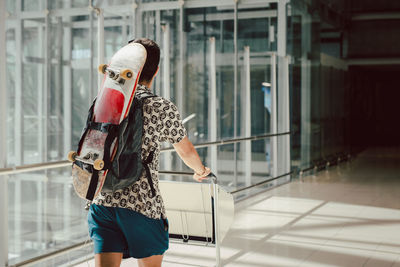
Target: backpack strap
(146, 162)
(142, 96)
(93, 180)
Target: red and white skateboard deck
(113, 103)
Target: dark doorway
(375, 106)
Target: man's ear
(158, 68)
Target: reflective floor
(348, 215)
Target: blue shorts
(126, 231)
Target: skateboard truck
(98, 164)
(125, 74)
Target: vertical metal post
(17, 214)
(274, 115)
(247, 120)
(19, 123)
(157, 39)
(271, 34)
(41, 88)
(47, 82)
(235, 88)
(19, 120)
(216, 222)
(305, 92)
(180, 94)
(284, 109)
(133, 22)
(46, 113)
(3, 140)
(59, 146)
(91, 58)
(213, 107)
(100, 42)
(124, 20)
(166, 62)
(66, 212)
(282, 28)
(67, 54)
(139, 17)
(166, 82)
(181, 74)
(3, 92)
(39, 212)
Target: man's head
(152, 60)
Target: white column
(181, 75)
(66, 212)
(47, 83)
(305, 93)
(213, 126)
(92, 77)
(3, 92)
(39, 212)
(18, 119)
(133, 22)
(67, 45)
(247, 121)
(286, 117)
(59, 140)
(166, 84)
(284, 106)
(3, 140)
(235, 89)
(41, 88)
(124, 20)
(282, 18)
(17, 214)
(157, 82)
(100, 42)
(274, 119)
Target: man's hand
(199, 177)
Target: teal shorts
(126, 231)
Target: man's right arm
(189, 155)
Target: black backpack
(127, 165)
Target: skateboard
(98, 143)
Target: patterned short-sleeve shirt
(161, 122)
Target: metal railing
(66, 163)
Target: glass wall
(44, 215)
(319, 91)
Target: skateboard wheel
(127, 74)
(102, 68)
(72, 155)
(98, 164)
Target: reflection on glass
(44, 214)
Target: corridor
(347, 215)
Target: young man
(132, 222)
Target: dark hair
(152, 60)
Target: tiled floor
(348, 215)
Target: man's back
(161, 123)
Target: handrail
(66, 163)
(231, 141)
(35, 167)
(52, 254)
(235, 191)
(261, 183)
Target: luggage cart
(196, 214)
